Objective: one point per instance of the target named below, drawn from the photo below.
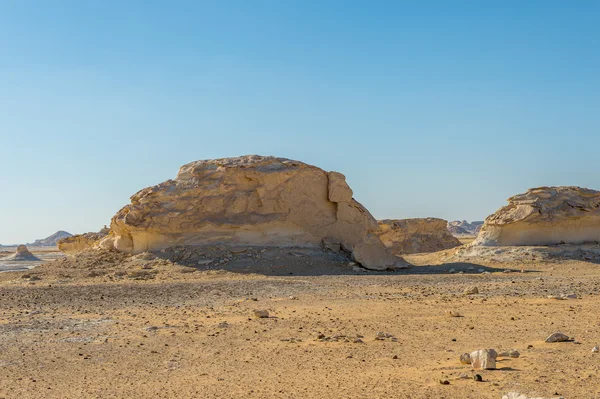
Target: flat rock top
(546, 203)
(258, 162)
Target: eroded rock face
(545, 216)
(408, 236)
(81, 242)
(250, 200)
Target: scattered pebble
(471, 291)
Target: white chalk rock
(484, 359)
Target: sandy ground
(123, 327)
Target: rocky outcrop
(22, 254)
(544, 216)
(463, 228)
(82, 242)
(408, 236)
(52, 240)
(250, 200)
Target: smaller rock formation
(484, 359)
(409, 236)
(544, 216)
(22, 254)
(81, 242)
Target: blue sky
(430, 108)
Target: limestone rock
(517, 395)
(513, 353)
(557, 337)
(465, 358)
(544, 216)
(484, 359)
(250, 201)
(22, 254)
(471, 291)
(408, 236)
(81, 242)
(261, 314)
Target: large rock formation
(250, 200)
(544, 216)
(51, 240)
(408, 236)
(81, 242)
(22, 254)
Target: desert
(221, 314)
(299, 199)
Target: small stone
(202, 262)
(484, 359)
(480, 270)
(557, 297)
(395, 357)
(358, 269)
(471, 291)
(444, 382)
(595, 349)
(453, 313)
(452, 271)
(513, 353)
(477, 378)
(557, 337)
(261, 314)
(238, 250)
(223, 324)
(569, 296)
(465, 358)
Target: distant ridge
(50, 240)
(463, 228)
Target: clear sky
(430, 108)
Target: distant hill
(51, 240)
(463, 228)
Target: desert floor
(87, 330)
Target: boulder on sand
(22, 254)
(251, 200)
(408, 236)
(544, 216)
